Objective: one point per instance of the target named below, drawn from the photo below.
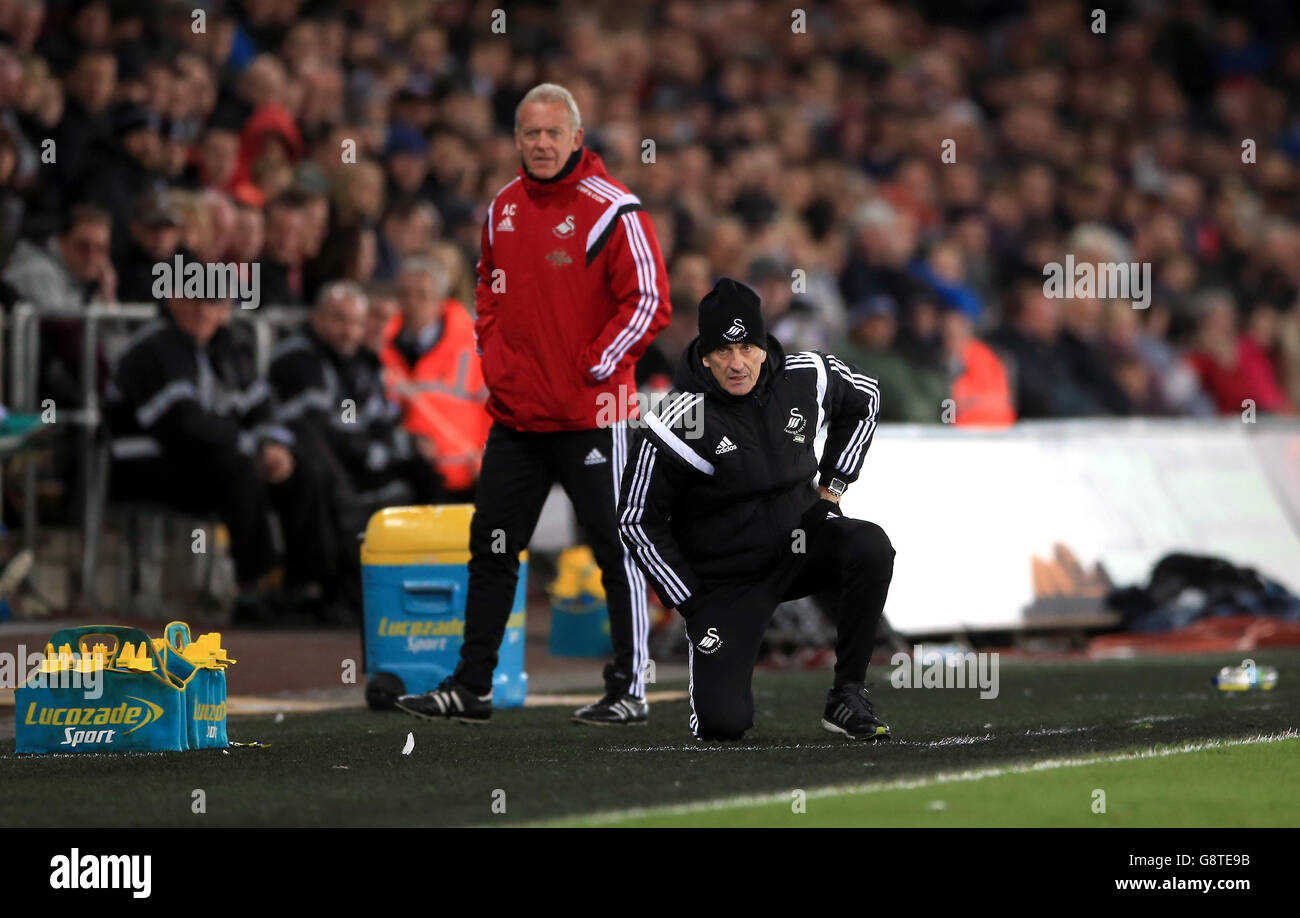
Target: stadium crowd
(891, 178)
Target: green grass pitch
(347, 768)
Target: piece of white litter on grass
(937, 805)
(410, 744)
(225, 752)
(344, 767)
(279, 718)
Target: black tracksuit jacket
(716, 484)
(311, 382)
(171, 399)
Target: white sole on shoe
(608, 723)
(835, 728)
(437, 717)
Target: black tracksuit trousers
(518, 471)
(225, 482)
(853, 559)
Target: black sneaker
(849, 711)
(614, 710)
(448, 700)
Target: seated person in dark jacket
(193, 428)
(329, 391)
(155, 235)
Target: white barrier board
(969, 511)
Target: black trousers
(357, 494)
(518, 471)
(852, 559)
(225, 482)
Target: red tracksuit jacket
(571, 289)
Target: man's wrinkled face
(341, 323)
(736, 366)
(545, 138)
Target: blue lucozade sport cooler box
(415, 576)
(120, 691)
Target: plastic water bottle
(1246, 677)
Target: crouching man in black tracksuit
(720, 511)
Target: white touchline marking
(978, 774)
(720, 748)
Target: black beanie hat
(730, 313)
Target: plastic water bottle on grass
(1246, 677)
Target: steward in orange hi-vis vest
(439, 385)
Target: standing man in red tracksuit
(571, 290)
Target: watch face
(836, 487)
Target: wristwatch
(837, 487)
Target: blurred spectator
(282, 252)
(944, 272)
(1234, 369)
(249, 235)
(69, 272)
(12, 89)
(1288, 337)
(86, 124)
(358, 194)
(909, 391)
(380, 309)
(12, 205)
(407, 230)
(193, 427)
(154, 236)
(350, 253)
(406, 158)
(980, 392)
(878, 259)
(217, 159)
(1031, 337)
(1157, 379)
(658, 365)
(789, 317)
(432, 369)
(329, 392)
(125, 168)
(689, 274)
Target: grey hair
(433, 267)
(551, 92)
(337, 290)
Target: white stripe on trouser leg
(690, 683)
(620, 437)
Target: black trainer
(614, 710)
(448, 700)
(849, 711)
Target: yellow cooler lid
(443, 527)
(420, 535)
